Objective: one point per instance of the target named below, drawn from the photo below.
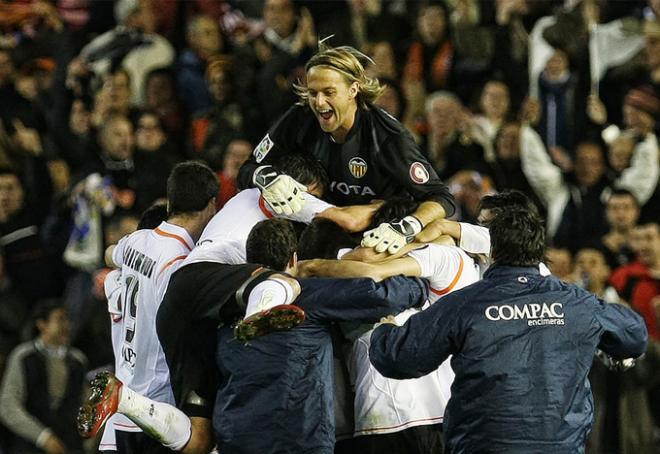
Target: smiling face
(332, 100)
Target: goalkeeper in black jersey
(367, 153)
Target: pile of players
(251, 328)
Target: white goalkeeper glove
(393, 235)
(283, 193)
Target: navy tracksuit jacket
(522, 347)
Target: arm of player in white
(441, 265)
(311, 208)
(274, 291)
(354, 218)
(114, 254)
(353, 269)
(474, 239)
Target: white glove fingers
(394, 248)
(382, 246)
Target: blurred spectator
(385, 64)
(43, 387)
(113, 98)
(23, 251)
(162, 98)
(393, 101)
(494, 104)
(132, 45)
(560, 262)
(643, 69)
(380, 20)
(204, 40)
(640, 110)
(640, 116)
(77, 141)
(619, 153)
(591, 272)
(430, 59)
(637, 283)
(280, 53)
(510, 53)
(622, 422)
(154, 158)
(622, 212)
(468, 187)
(117, 142)
(506, 169)
(557, 97)
(570, 32)
(24, 124)
(575, 200)
(449, 143)
(237, 152)
(224, 122)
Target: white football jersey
(384, 405)
(147, 259)
(223, 240)
(476, 240)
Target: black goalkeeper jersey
(378, 160)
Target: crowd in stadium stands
(99, 100)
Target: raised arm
(641, 177)
(543, 175)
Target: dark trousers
(415, 440)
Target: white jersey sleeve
(148, 258)
(447, 268)
(223, 240)
(310, 209)
(474, 239)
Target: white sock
(164, 422)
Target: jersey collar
(175, 232)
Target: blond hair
(350, 63)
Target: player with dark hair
(223, 241)
(153, 216)
(291, 369)
(145, 260)
(522, 347)
(323, 238)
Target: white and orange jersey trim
(223, 240)
(384, 405)
(147, 259)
